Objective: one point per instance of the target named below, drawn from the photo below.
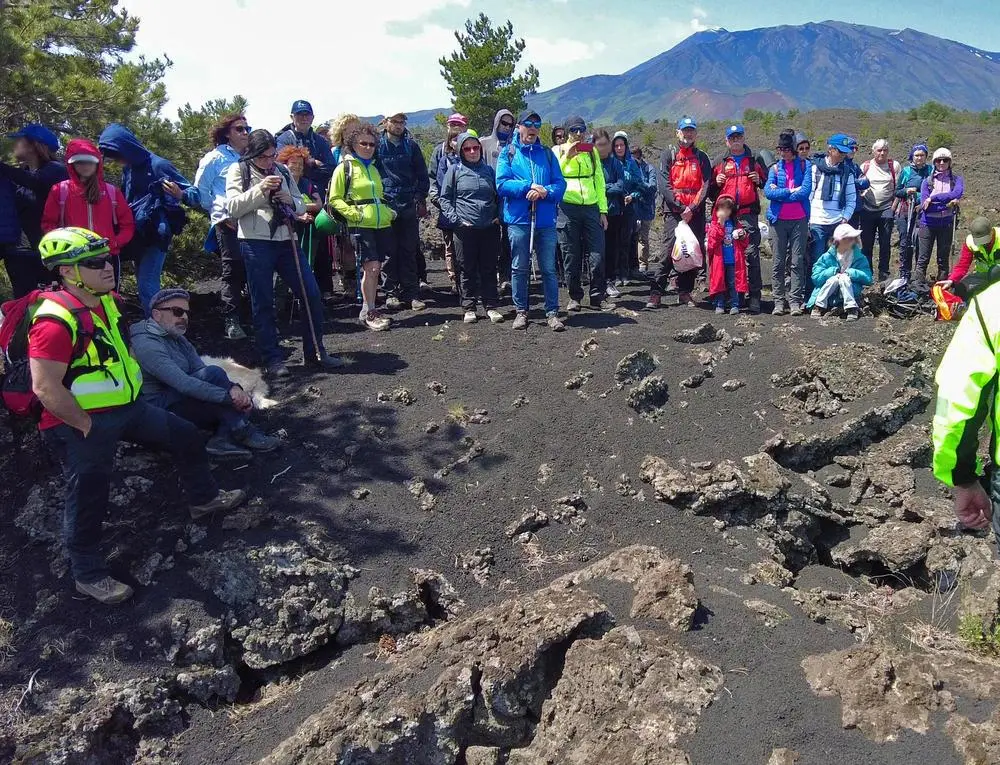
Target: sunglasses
(366, 144)
(578, 130)
(942, 159)
(97, 263)
(505, 123)
(784, 149)
(470, 149)
(532, 123)
(804, 147)
(177, 311)
(241, 128)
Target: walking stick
(302, 287)
(531, 232)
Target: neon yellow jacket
(967, 392)
(584, 178)
(104, 375)
(364, 206)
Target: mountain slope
(718, 74)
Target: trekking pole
(302, 286)
(355, 243)
(531, 231)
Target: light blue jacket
(828, 265)
(211, 180)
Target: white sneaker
(612, 291)
(417, 305)
(470, 317)
(520, 321)
(555, 325)
(393, 303)
(573, 306)
(495, 316)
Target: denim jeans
(837, 290)
(580, 234)
(148, 269)
(262, 258)
(208, 415)
(545, 247)
(87, 464)
(821, 236)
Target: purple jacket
(938, 214)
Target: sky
(372, 57)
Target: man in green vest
(980, 256)
(88, 383)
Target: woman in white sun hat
(840, 274)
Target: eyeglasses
(97, 263)
(272, 155)
(578, 129)
(532, 123)
(177, 311)
(241, 128)
(366, 144)
(470, 149)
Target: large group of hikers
(345, 200)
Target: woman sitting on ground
(840, 274)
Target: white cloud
(255, 48)
(560, 51)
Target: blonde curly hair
(337, 126)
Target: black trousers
(476, 254)
(661, 276)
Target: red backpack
(16, 391)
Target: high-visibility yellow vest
(104, 374)
(984, 259)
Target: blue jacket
(211, 180)
(443, 164)
(10, 227)
(614, 184)
(31, 190)
(158, 216)
(318, 149)
(514, 179)
(860, 272)
(644, 205)
(861, 181)
(776, 189)
(404, 172)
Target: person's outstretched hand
(972, 506)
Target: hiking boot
(255, 440)
(520, 321)
(393, 303)
(795, 309)
(816, 313)
(277, 370)
(684, 298)
(417, 305)
(573, 306)
(654, 300)
(852, 314)
(754, 306)
(108, 591)
(779, 308)
(224, 500)
(734, 311)
(552, 319)
(325, 361)
(221, 447)
(233, 329)
(470, 317)
(376, 322)
(612, 291)
(494, 315)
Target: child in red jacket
(726, 242)
(88, 201)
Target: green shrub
(979, 637)
(940, 138)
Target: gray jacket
(168, 364)
(468, 192)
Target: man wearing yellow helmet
(85, 377)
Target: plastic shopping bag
(687, 254)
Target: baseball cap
(528, 114)
(686, 122)
(981, 231)
(575, 121)
(735, 129)
(458, 119)
(36, 132)
(845, 230)
(302, 106)
(840, 142)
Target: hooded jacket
(738, 185)
(31, 190)
(517, 168)
(158, 216)
(363, 206)
(98, 217)
(494, 142)
(403, 171)
(468, 191)
(644, 205)
(614, 184)
(834, 194)
(715, 236)
(827, 265)
(318, 149)
(168, 365)
(912, 177)
(633, 181)
(252, 209)
(937, 213)
(584, 177)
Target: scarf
(828, 177)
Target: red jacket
(738, 185)
(716, 267)
(98, 217)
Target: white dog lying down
(250, 380)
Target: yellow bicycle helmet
(66, 246)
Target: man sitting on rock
(176, 379)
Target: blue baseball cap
(840, 142)
(852, 142)
(301, 106)
(686, 122)
(734, 130)
(35, 132)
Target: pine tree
(481, 74)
